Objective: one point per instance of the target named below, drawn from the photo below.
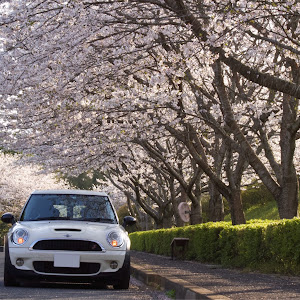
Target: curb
(182, 288)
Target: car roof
(70, 192)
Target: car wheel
(9, 278)
(123, 284)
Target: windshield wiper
(101, 220)
(51, 218)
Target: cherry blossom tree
(81, 80)
(146, 184)
(18, 181)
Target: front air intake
(48, 267)
(67, 245)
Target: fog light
(20, 262)
(113, 264)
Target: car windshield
(92, 208)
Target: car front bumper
(109, 278)
(32, 258)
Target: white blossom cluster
(19, 181)
(128, 86)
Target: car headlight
(115, 239)
(20, 236)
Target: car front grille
(68, 245)
(48, 267)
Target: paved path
(203, 281)
(51, 291)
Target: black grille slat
(67, 245)
(67, 229)
(48, 267)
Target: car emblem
(67, 235)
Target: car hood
(39, 230)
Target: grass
(171, 294)
(266, 211)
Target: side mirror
(8, 218)
(128, 220)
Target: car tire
(99, 284)
(123, 284)
(9, 278)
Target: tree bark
(196, 213)
(287, 200)
(196, 207)
(236, 208)
(175, 203)
(167, 217)
(216, 204)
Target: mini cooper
(69, 236)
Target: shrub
(138, 241)
(204, 241)
(243, 245)
(283, 241)
(264, 245)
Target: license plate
(67, 260)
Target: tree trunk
(289, 186)
(236, 208)
(216, 204)
(196, 207)
(288, 200)
(168, 218)
(158, 224)
(175, 203)
(196, 213)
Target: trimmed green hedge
(269, 246)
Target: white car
(67, 235)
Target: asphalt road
(47, 291)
